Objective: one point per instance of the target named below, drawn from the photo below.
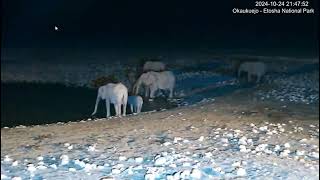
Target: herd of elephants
(155, 77)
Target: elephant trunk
(96, 105)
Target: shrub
(101, 81)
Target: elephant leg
(146, 91)
(108, 108)
(116, 109)
(152, 92)
(131, 108)
(171, 93)
(124, 104)
(119, 110)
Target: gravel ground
(234, 136)
(298, 88)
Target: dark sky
(157, 24)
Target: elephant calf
(135, 103)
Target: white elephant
(153, 81)
(154, 66)
(135, 103)
(253, 69)
(117, 94)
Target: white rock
(237, 131)
(201, 138)
(195, 173)
(72, 170)
(243, 140)
(160, 161)
(31, 168)
(41, 167)
(241, 172)
(255, 131)
(315, 155)
(7, 158)
(176, 139)
(80, 163)
(139, 159)
(40, 158)
(267, 151)
(261, 147)
(185, 174)
(92, 148)
(186, 164)
(15, 178)
(64, 159)
(285, 153)
(66, 144)
(277, 148)
(236, 164)
(115, 171)
(122, 158)
(224, 140)
(303, 140)
(263, 128)
(185, 141)
(53, 166)
(287, 145)
(208, 154)
(149, 176)
(100, 167)
(300, 153)
(15, 163)
(70, 147)
(167, 143)
(170, 177)
(243, 148)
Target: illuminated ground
(205, 136)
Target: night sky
(152, 24)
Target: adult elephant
(153, 81)
(117, 94)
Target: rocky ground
(230, 137)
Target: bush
(101, 81)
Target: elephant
(253, 68)
(117, 94)
(154, 66)
(154, 81)
(135, 103)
